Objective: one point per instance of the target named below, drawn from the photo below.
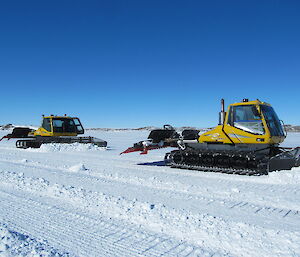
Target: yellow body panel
(229, 134)
(42, 132)
(45, 133)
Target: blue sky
(138, 63)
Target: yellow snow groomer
(246, 141)
(54, 129)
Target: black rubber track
(229, 164)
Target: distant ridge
(288, 127)
(148, 128)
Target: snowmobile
(245, 142)
(54, 129)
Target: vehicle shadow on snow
(158, 163)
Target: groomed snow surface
(80, 200)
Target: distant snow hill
(11, 126)
(148, 128)
(289, 128)
(7, 126)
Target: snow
(67, 148)
(78, 167)
(16, 244)
(82, 200)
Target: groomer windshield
(274, 124)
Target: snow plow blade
(158, 138)
(286, 160)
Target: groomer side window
(247, 118)
(46, 124)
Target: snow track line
(86, 236)
(287, 213)
(266, 209)
(283, 217)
